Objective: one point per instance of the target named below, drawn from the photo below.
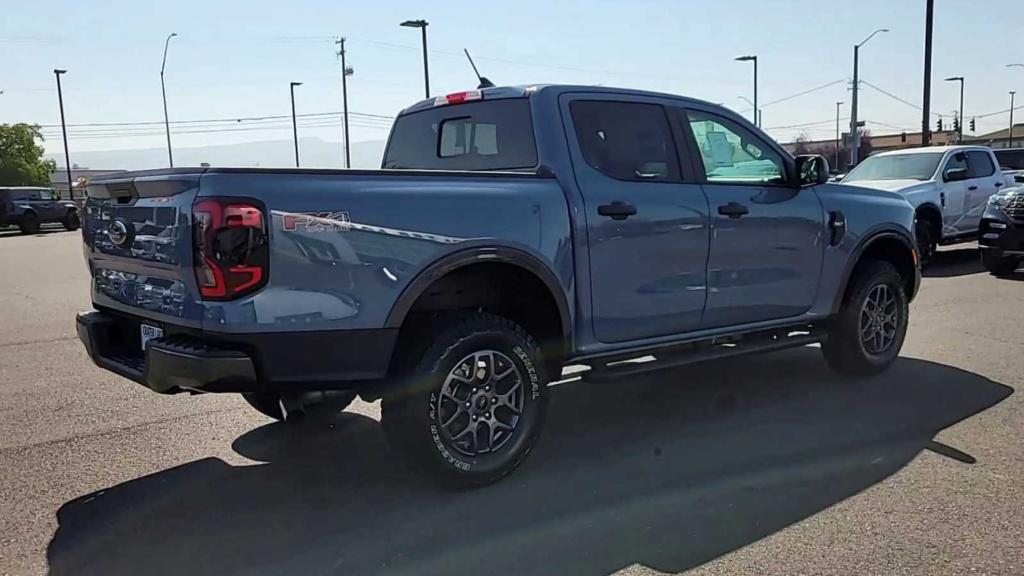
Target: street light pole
(295, 126)
(854, 132)
(838, 104)
(754, 60)
(422, 25)
(345, 73)
(1012, 94)
(163, 91)
(64, 131)
(960, 121)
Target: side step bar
(704, 350)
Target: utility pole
(167, 122)
(345, 73)
(1012, 94)
(854, 110)
(295, 126)
(960, 115)
(926, 136)
(64, 130)
(838, 104)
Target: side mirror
(812, 169)
(955, 175)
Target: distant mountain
(313, 153)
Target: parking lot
(766, 465)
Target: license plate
(147, 333)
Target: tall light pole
(163, 91)
(345, 73)
(1012, 94)
(64, 131)
(838, 104)
(754, 60)
(960, 121)
(422, 25)
(854, 132)
(295, 126)
(926, 98)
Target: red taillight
(230, 243)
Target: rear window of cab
(481, 135)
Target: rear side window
(1011, 159)
(979, 164)
(485, 135)
(626, 140)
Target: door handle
(972, 187)
(733, 210)
(617, 210)
(999, 184)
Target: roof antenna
(484, 82)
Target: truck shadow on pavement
(951, 263)
(670, 470)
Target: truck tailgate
(137, 243)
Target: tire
(927, 242)
(29, 223)
(869, 331)
(269, 404)
(71, 222)
(997, 264)
(455, 409)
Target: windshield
(896, 167)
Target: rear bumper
(218, 362)
(168, 365)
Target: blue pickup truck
(512, 231)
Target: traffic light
(972, 124)
(938, 124)
(956, 124)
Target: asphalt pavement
(763, 465)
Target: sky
(234, 60)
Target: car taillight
(230, 243)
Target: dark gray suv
(28, 207)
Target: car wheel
(269, 404)
(29, 223)
(997, 264)
(927, 243)
(868, 333)
(71, 221)
(470, 406)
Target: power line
(216, 120)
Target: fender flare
(858, 252)
(478, 255)
(930, 207)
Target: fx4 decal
(313, 222)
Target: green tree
(21, 159)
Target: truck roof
(524, 90)
(928, 149)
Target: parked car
(1002, 232)
(511, 232)
(949, 188)
(1011, 162)
(28, 207)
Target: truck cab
(948, 186)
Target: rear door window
(629, 141)
(979, 164)
(484, 135)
